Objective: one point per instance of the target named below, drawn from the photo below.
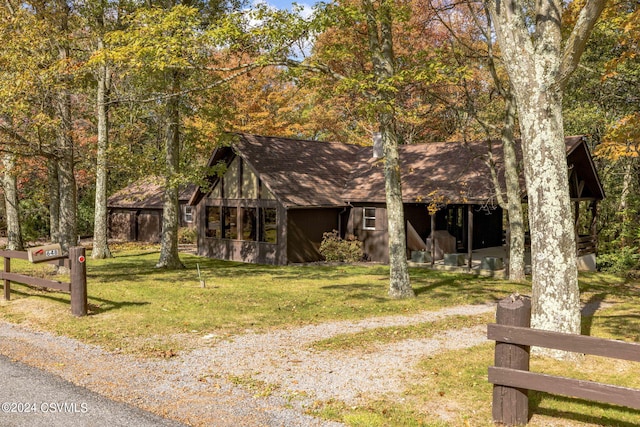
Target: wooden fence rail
(77, 286)
(512, 379)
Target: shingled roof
(146, 193)
(303, 173)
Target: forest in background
(97, 94)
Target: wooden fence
(512, 379)
(77, 287)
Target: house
(277, 196)
(135, 212)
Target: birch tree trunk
(379, 27)
(100, 225)
(10, 187)
(169, 256)
(538, 63)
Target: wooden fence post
(7, 283)
(77, 260)
(511, 405)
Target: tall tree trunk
(54, 200)
(514, 198)
(100, 224)
(623, 212)
(539, 62)
(169, 256)
(10, 186)
(66, 180)
(66, 151)
(380, 37)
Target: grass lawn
(136, 308)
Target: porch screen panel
(213, 222)
(268, 225)
(230, 218)
(249, 224)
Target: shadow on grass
(537, 398)
(93, 309)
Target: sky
(286, 4)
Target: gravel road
(212, 384)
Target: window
(230, 218)
(268, 225)
(369, 218)
(249, 224)
(213, 222)
(188, 214)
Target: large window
(249, 224)
(213, 222)
(268, 225)
(230, 218)
(369, 218)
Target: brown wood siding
(149, 226)
(305, 228)
(375, 243)
(122, 224)
(141, 225)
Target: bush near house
(335, 248)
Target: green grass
(139, 309)
(451, 389)
(131, 302)
(366, 339)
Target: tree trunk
(399, 283)
(10, 186)
(556, 297)
(66, 153)
(100, 226)
(54, 200)
(623, 211)
(67, 181)
(169, 256)
(514, 198)
(538, 63)
(380, 37)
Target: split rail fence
(511, 376)
(77, 286)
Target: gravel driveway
(197, 387)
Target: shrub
(187, 235)
(620, 262)
(335, 248)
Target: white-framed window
(188, 214)
(368, 218)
